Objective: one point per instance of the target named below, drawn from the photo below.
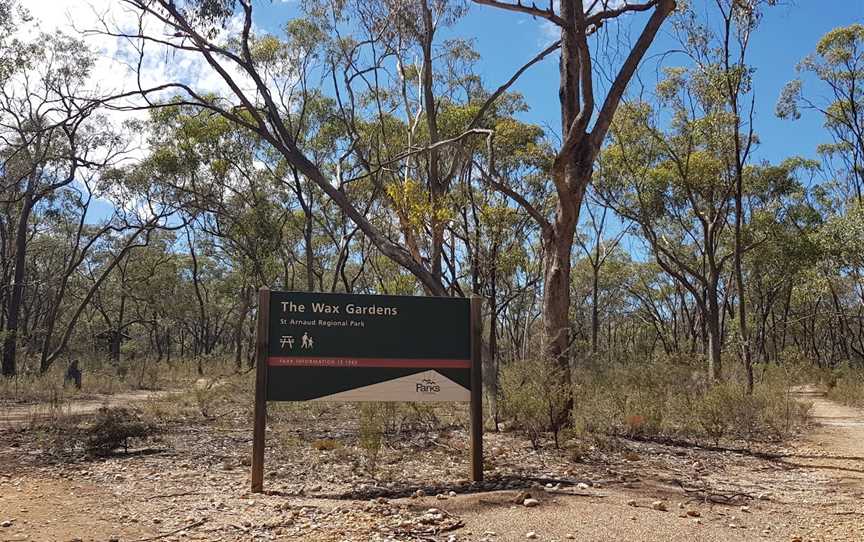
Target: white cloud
(116, 69)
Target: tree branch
(619, 85)
(532, 10)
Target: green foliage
(671, 397)
(375, 418)
(846, 385)
(533, 394)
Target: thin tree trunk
(10, 343)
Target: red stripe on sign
(369, 362)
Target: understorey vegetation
(845, 384)
(668, 399)
(646, 273)
(107, 431)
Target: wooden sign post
(345, 347)
(476, 406)
(262, 341)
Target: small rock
(531, 535)
(530, 503)
(6, 523)
(570, 536)
(745, 509)
(452, 494)
(419, 493)
(660, 506)
(631, 502)
(441, 496)
(521, 496)
(583, 485)
(694, 513)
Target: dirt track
(815, 491)
(16, 415)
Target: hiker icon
(306, 341)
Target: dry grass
(102, 378)
(846, 385)
(662, 398)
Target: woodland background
(358, 151)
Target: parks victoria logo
(427, 386)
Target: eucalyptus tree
(498, 235)
(837, 66)
(49, 136)
(268, 95)
(583, 129)
(830, 84)
(720, 52)
(783, 225)
(676, 187)
(597, 245)
(661, 303)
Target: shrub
(533, 393)
(374, 420)
(848, 385)
(113, 428)
(109, 430)
(632, 399)
(715, 412)
(672, 396)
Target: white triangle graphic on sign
(428, 386)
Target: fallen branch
(170, 495)
(704, 495)
(190, 526)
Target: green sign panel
(343, 347)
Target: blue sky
(787, 34)
(506, 40)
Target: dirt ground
(194, 486)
